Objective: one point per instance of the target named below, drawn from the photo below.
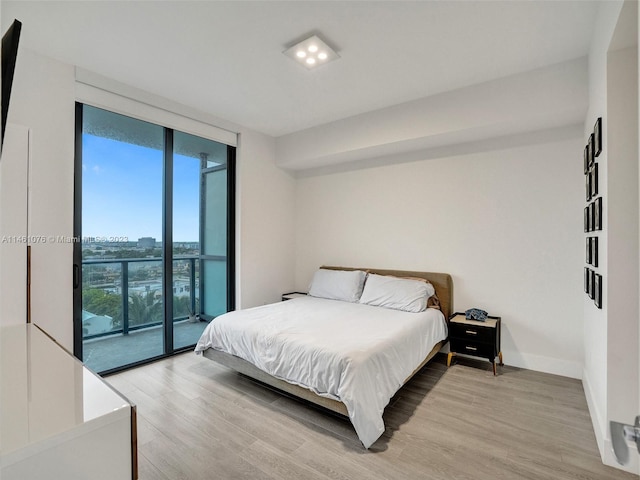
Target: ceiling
(225, 58)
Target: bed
(346, 356)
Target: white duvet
(357, 354)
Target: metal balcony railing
(121, 284)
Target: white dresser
(58, 420)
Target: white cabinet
(58, 420)
(14, 167)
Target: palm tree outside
(144, 308)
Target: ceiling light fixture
(311, 52)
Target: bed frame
(443, 285)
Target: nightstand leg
(500, 357)
(449, 357)
(494, 368)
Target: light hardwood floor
(198, 420)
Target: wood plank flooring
(199, 420)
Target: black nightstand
(291, 295)
(470, 337)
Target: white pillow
(397, 293)
(337, 284)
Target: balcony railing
(129, 278)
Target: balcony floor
(105, 353)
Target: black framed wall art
(587, 277)
(593, 213)
(593, 256)
(586, 219)
(597, 214)
(597, 137)
(586, 159)
(593, 181)
(588, 250)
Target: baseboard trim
(594, 413)
(539, 363)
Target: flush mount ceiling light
(311, 52)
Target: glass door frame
(167, 242)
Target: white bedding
(354, 353)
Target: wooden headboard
(442, 282)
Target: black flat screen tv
(9, 56)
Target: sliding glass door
(154, 213)
(202, 247)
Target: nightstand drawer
(470, 347)
(472, 332)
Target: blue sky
(122, 191)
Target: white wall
(504, 223)
(266, 196)
(622, 232)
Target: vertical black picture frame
(591, 218)
(586, 159)
(592, 282)
(594, 251)
(588, 250)
(593, 174)
(597, 140)
(597, 214)
(586, 219)
(587, 187)
(591, 147)
(587, 276)
(597, 290)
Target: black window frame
(167, 241)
